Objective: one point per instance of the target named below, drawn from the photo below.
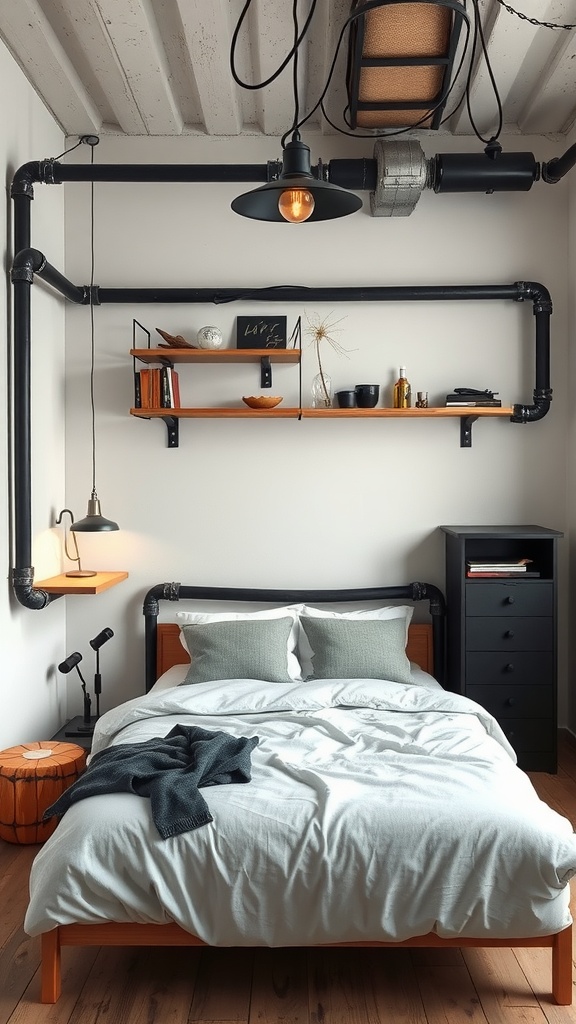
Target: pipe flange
(401, 177)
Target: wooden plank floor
(298, 986)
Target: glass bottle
(322, 391)
(402, 391)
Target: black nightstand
(502, 634)
(70, 733)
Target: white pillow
(292, 663)
(305, 652)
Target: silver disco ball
(210, 337)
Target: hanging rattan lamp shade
(400, 60)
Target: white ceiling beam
(207, 41)
(136, 40)
(89, 43)
(550, 107)
(35, 46)
(328, 22)
(517, 51)
(271, 30)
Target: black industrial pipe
(177, 592)
(555, 169)
(30, 262)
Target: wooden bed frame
(164, 647)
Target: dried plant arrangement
(323, 331)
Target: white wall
(311, 503)
(32, 698)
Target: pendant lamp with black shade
(94, 521)
(296, 196)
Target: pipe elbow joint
(24, 178)
(27, 262)
(161, 592)
(22, 580)
(538, 293)
(533, 413)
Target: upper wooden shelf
(63, 584)
(221, 355)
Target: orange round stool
(33, 776)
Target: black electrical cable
(285, 62)
(479, 34)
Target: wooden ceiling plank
(135, 38)
(36, 48)
(206, 36)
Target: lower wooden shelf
(63, 584)
(466, 414)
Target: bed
(380, 809)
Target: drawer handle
(509, 667)
(509, 634)
(509, 600)
(510, 701)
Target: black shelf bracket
(172, 427)
(265, 372)
(466, 430)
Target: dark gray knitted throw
(169, 771)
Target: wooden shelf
(294, 412)
(223, 412)
(63, 584)
(439, 412)
(221, 355)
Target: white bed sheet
(376, 811)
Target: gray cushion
(358, 649)
(240, 649)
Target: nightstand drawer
(530, 733)
(533, 633)
(514, 701)
(513, 598)
(510, 669)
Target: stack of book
(470, 397)
(156, 388)
(481, 569)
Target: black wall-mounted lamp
(296, 196)
(79, 572)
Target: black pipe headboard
(409, 592)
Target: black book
(137, 391)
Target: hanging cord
(285, 62)
(92, 346)
(479, 34)
(66, 151)
(295, 71)
(533, 21)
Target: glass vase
(321, 391)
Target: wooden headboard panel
(169, 650)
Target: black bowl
(346, 399)
(367, 395)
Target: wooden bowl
(262, 401)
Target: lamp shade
(329, 201)
(94, 521)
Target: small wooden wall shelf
(219, 355)
(63, 584)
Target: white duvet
(376, 811)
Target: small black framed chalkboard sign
(261, 332)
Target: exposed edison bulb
(296, 204)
